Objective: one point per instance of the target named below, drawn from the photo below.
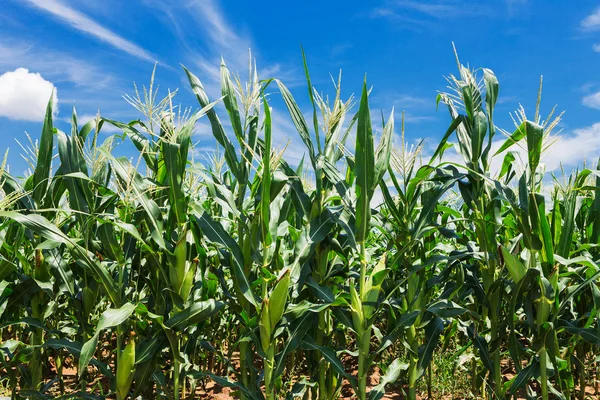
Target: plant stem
(176, 368)
(364, 331)
(322, 327)
(244, 366)
(269, 364)
(36, 340)
(429, 382)
(414, 359)
(363, 358)
(544, 372)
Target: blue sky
(92, 51)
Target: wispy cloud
(214, 37)
(56, 65)
(416, 11)
(592, 21)
(85, 24)
(443, 9)
(412, 119)
(218, 37)
(426, 13)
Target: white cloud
(591, 22)
(439, 9)
(592, 100)
(55, 65)
(223, 39)
(87, 25)
(596, 47)
(569, 150)
(219, 38)
(24, 95)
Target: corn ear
(264, 326)
(125, 370)
(278, 299)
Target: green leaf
(309, 344)
(446, 309)
(194, 314)
(215, 233)
(296, 333)
(298, 120)
(433, 331)
(383, 152)
(110, 318)
(515, 267)
(524, 376)
(514, 138)
(44, 156)
(391, 375)
(217, 127)
(230, 101)
(364, 167)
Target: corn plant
(155, 275)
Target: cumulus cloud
(569, 150)
(592, 100)
(592, 21)
(572, 149)
(24, 95)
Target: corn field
(351, 274)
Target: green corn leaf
(45, 228)
(194, 314)
(298, 120)
(224, 382)
(44, 156)
(311, 96)
(217, 127)
(433, 331)
(230, 101)
(133, 179)
(110, 318)
(297, 332)
(265, 196)
(364, 167)
(142, 144)
(491, 96)
(514, 138)
(383, 152)
(446, 309)
(524, 376)
(74, 349)
(535, 136)
(215, 233)
(309, 344)
(482, 346)
(478, 131)
(507, 164)
(311, 235)
(391, 375)
(516, 269)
